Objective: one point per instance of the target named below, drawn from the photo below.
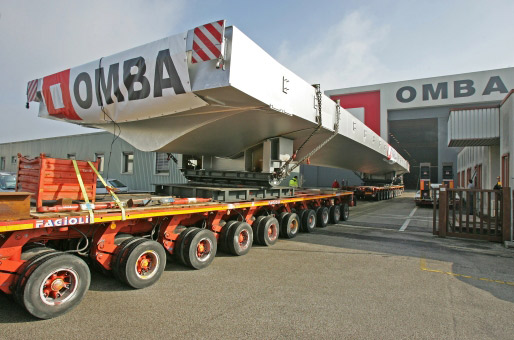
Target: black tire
(289, 226)
(334, 214)
(33, 257)
(301, 213)
(268, 231)
(118, 255)
(200, 248)
(223, 239)
(240, 239)
(142, 263)
(322, 217)
(309, 221)
(34, 251)
(53, 284)
(345, 212)
(179, 244)
(281, 216)
(255, 228)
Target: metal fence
(472, 213)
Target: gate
(472, 213)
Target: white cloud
(346, 54)
(38, 38)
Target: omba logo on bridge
(128, 80)
(461, 88)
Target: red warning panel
(370, 101)
(208, 41)
(56, 91)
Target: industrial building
(118, 159)
(461, 119)
(416, 116)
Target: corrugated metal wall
(474, 127)
(85, 146)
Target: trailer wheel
(53, 284)
(345, 214)
(240, 239)
(309, 221)
(36, 250)
(301, 213)
(289, 226)
(255, 228)
(118, 255)
(142, 263)
(223, 239)
(281, 216)
(199, 248)
(268, 231)
(335, 213)
(32, 256)
(179, 244)
(322, 217)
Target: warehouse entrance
(417, 141)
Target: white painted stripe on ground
(407, 221)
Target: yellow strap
(84, 193)
(116, 199)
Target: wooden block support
(14, 206)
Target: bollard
(443, 211)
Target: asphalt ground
(360, 279)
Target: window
(100, 157)
(128, 163)
(2, 163)
(14, 159)
(71, 156)
(162, 166)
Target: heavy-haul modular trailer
(43, 257)
(375, 192)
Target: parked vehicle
(7, 182)
(116, 184)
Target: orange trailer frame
(190, 232)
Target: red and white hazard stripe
(31, 90)
(208, 41)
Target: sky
(337, 44)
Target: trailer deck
(378, 193)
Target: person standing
(335, 184)
(294, 182)
(498, 185)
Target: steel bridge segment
(232, 105)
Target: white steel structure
(161, 97)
